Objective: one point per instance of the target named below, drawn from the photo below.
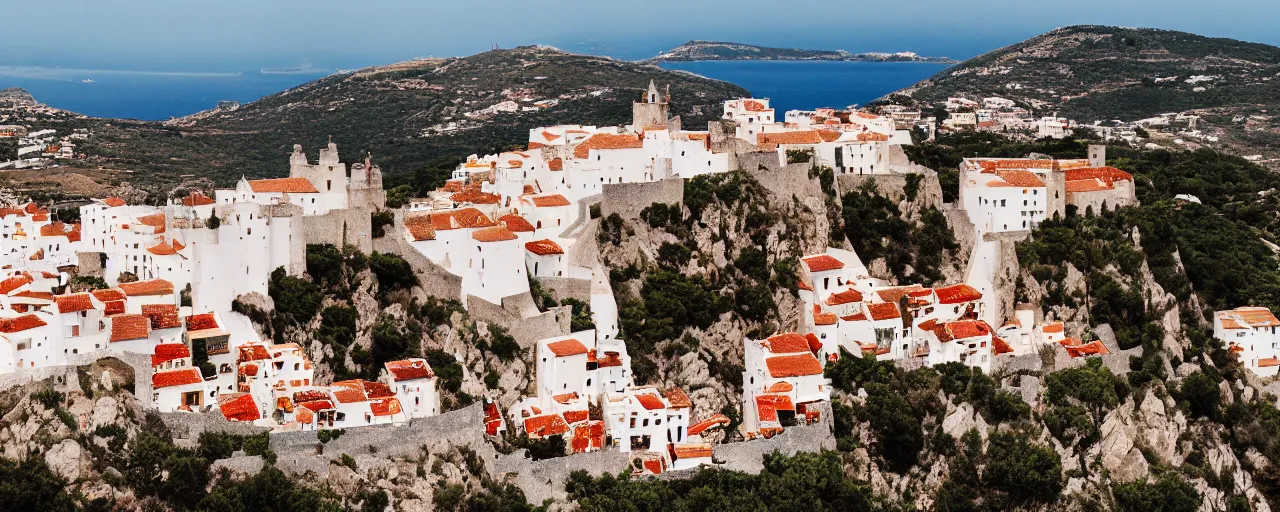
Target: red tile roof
(793, 366)
(1086, 185)
(1053, 327)
(567, 347)
(1266, 362)
(650, 400)
(475, 197)
(606, 141)
(692, 451)
(283, 185)
(546, 425)
(822, 263)
(240, 408)
(155, 220)
(202, 322)
(163, 316)
(409, 369)
(516, 223)
(844, 297)
(162, 249)
(549, 201)
(493, 234)
(176, 378)
(345, 395)
(821, 317)
(74, 302)
(421, 228)
(460, 218)
(753, 106)
(1017, 178)
(113, 201)
(109, 294)
(1093, 348)
(678, 398)
(166, 352)
(385, 407)
(588, 436)
(957, 294)
(773, 140)
(130, 327)
(149, 287)
(786, 343)
(252, 352)
(21, 323)
(883, 310)
(316, 405)
(543, 247)
(714, 421)
(13, 283)
(555, 164)
(197, 199)
(967, 329)
(1000, 346)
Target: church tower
(651, 110)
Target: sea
(158, 96)
(805, 85)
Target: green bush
(1201, 395)
(1026, 471)
(1170, 493)
(49, 398)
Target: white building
(783, 376)
(1250, 334)
(416, 386)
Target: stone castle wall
(339, 228)
(628, 199)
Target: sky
(238, 35)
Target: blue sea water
(143, 95)
(160, 96)
(813, 84)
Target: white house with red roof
(641, 418)
(496, 268)
(183, 390)
(1251, 334)
(1000, 200)
(971, 342)
(316, 188)
(545, 258)
(416, 385)
(550, 214)
(782, 376)
(753, 116)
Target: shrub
(49, 398)
(1201, 395)
(1024, 470)
(329, 434)
(379, 222)
(392, 271)
(1168, 494)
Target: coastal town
(174, 279)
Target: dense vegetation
(877, 229)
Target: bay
(812, 84)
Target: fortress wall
(339, 228)
(628, 199)
(432, 278)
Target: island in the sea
(715, 50)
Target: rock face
(65, 459)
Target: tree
(1022, 469)
(1201, 394)
(1168, 494)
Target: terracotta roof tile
(113, 201)
(420, 228)
(567, 347)
(692, 451)
(460, 218)
(713, 421)
(197, 199)
(130, 327)
(160, 380)
(145, 288)
(21, 323)
(543, 247)
(516, 223)
(678, 398)
(345, 395)
(773, 140)
(1265, 362)
(822, 263)
(549, 201)
(162, 249)
(252, 352)
(546, 425)
(883, 310)
(957, 294)
(1053, 327)
(793, 366)
(202, 322)
(316, 405)
(475, 197)
(786, 343)
(844, 297)
(606, 141)
(1088, 349)
(1000, 346)
(409, 369)
(385, 407)
(1017, 178)
(555, 164)
(650, 400)
(283, 185)
(493, 234)
(964, 329)
(109, 294)
(155, 220)
(240, 408)
(166, 352)
(14, 282)
(74, 302)
(163, 316)
(821, 317)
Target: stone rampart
(340, 228)
(67, 374)
(628, 199)
(521, 318)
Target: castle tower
(651, 110)
(1097, 155)
(1056, 191)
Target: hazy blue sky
(219, 35)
